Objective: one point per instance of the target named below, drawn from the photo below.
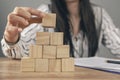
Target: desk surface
(10, 70)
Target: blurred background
(7, 6)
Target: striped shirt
(108, 34)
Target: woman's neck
(74, 16)
(75, 23)
(72, 6)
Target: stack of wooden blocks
(48, 54)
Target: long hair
(87, 24)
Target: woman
(85, 27)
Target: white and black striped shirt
(108, 34)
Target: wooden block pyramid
(48, 54)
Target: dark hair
(87, 24)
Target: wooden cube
(27, 69)
(63, 51)
(55, 65)
(41, 65)
(27, 64)
(49, 20)
(56, 38)
(35, 51)
(49, 51)
(43, 38)
(68, 64)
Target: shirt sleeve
(27, 37)
(21, 48)
(111, 34)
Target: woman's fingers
(14, 20)
(35, 12)
(20, 18)
(19, 11)
(28, 14)
(36, 15)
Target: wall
(6, 6)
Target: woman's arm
(111, 34)
(21, 48)
(27, 37)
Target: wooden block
(41, 65)
(49, 51)
(27, 64)
(39, 52)
(56, 38)
(63, 51)
(68, 64)
(55, 65)
(31, 51)
(49, 21)
(35, 51)
(27, 69)
(43, 38)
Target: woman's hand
(20, 18)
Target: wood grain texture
(41, 65)
(49, 52)
(35, 51)
(55, 65)
(68, 64)
(49, 21)
(27, 64)
(10, 70)
(43, 38)
(63, 51)
(56, 38)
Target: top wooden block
(49, 21)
